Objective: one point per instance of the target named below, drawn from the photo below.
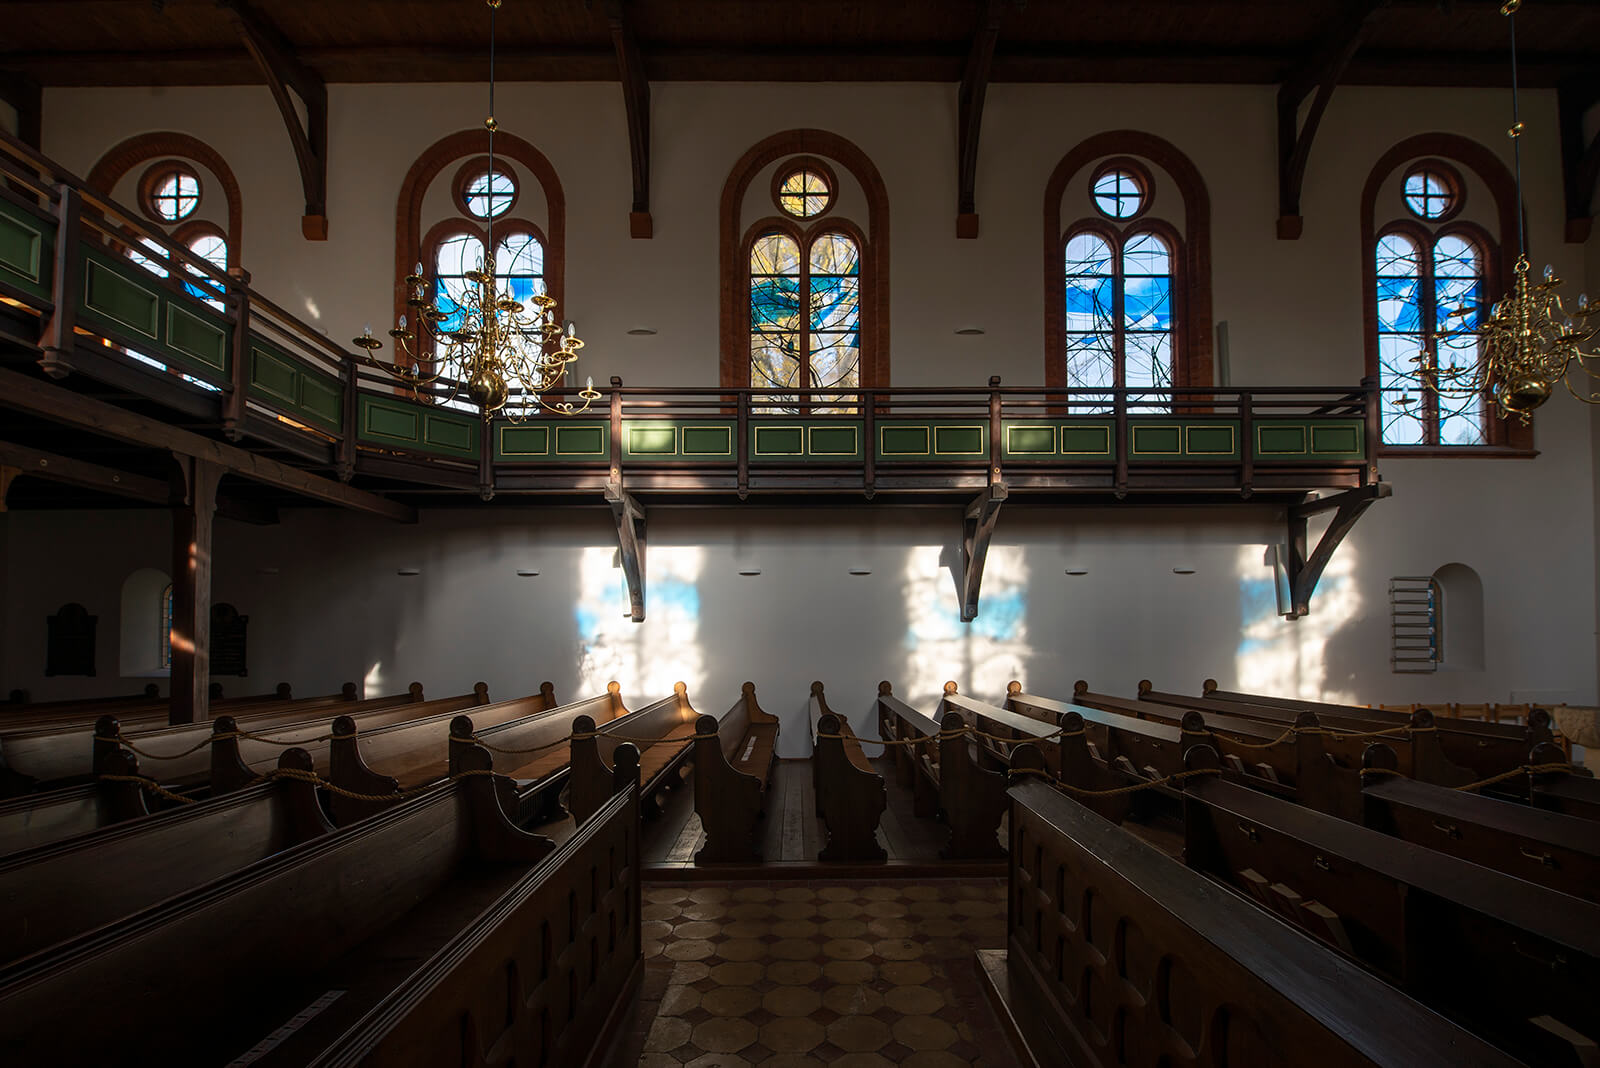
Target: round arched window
(1120, 191)
(487, 194)
(171, 191)
(1432, 191)
(804, 192)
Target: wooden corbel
(283, 71)
(630, 517)
(636, 99)
(8, 475)
(969, 105)
(977, 527)
(1580, 161)
(1304, 570)
(1322, 72)
(26, 97)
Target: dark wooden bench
(660, 734)
(1116, 955)
(39, 819)
(150, 709)
(947, 781)
(733, 761)
(851, 796)
(381, 941)
(532, 755)
(69, 886)
(388, 761)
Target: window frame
(1118, 237)
(475, 168)
(469, 226)
(794, 165)
(1141, 178)
(151, 180)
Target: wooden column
(193, 516)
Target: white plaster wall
(1294, 315)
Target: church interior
(954, 532)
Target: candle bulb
(366, 331)
(588, 383)
(402, 322)
(418, 268)
(572, 328)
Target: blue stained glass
(774, 302)
(1398, 308)
(1147, 303)
(835, 302)
(1089, 304)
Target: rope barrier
(1081, 791)
(299, 775)
(1524, 769)
(150, 785)
(222, 737)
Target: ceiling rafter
(1580, 160)
(1322, 71)
(283, 70)
(969, 105)
(636, 100)
(26, 97)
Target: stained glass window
(805, 318)
(804, 194)
(519, 271)
(1429, 292)
(1119, 316)
(213, 248)
(1118, 194)
(489, 195)
(174, 194)
(1430, 194)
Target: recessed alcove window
(170, 191)
(1461, 644)
(145, 635)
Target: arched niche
(1460, 618)
(143, 613)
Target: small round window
(804, 193)
(489, 194)
(1432, 192)
(1119, 193)
(172, 192)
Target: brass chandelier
(1530, 340)
(508, 355)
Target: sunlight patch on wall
(646, 658)
(1288, 658)
(981, 656)
(372, 681)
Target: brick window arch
(168, 146)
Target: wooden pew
(733, 761)
(69, 886)
(950, 782)
(39, 819)
(49, 757)
(387, 942)
(1003, 729)
(1549, 848)
(1516, 962)
(1116, 955)
(851, 797)
(389, 760)
(660, 734)
(18, 701)
(1483, 748)
(533, 761)
(154, 713)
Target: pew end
(349, 770)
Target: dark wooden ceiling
(195, 42)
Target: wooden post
(1124, 443)
(349, 431)
(1247, 445)
(192, 520)
(743, 444)
(1373, 413)
(869, 444)
(58, 338)
(233, 408)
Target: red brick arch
(126, 155)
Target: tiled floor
(840, 973)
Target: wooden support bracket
(1305, 570)
(8, 475)
(630, 517)
(1580, 161)
(969, 105)
(26, 97)
(1321, 71)
(977, 527)
(636, 99)
(22, 460)
(283, 71)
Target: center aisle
(848, 973)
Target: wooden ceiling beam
(1580, 160)
(969, 106)
(1322, 71)
(636, 101)
(26, 97)
(27, 394)
(283, 70)
(92, 476)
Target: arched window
(806, 294)
(1128, 288)
(1432, 211)
(447, 213)
(146, 632)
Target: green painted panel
(1338, 439)
(1155, 439)
(904, 441)
(196, 338)
(321, 400)
(21, 248)
(580, 441)
(1035, 440)
(769, 441)
(958, 440)
(275, 376)
(516, 442)
(448, 432)
(836, 441)
(1282, 439)
(121, 300)
(708, 441)
(653, 440)
(391, 421)
(1080, 439)
(1214, 440)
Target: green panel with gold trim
(678, 439)
(1183, 440)
(27, 249)
(396, 423)
(1310, 440)
(820, 441)
(291, 387)
(197, 340)
(130, 305)
(932, 441)
(121, 296)
(1058, 440)
(550, 441)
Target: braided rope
(1080, 791)
(222, 737)
(150, 785)
(298, 775)
(1524, 769)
